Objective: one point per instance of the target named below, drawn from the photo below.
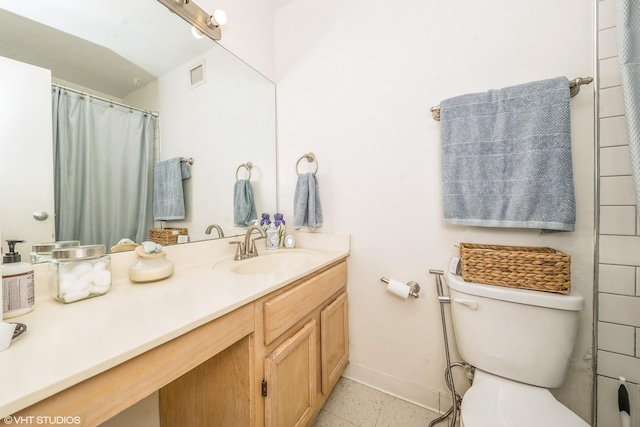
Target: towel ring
(310, 158)
(248, 166)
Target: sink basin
(268, 262)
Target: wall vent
(197, 75)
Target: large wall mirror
(143, 55)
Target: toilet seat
(494, 401)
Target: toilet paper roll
(398, 288)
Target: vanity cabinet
(302, 346)
(271, 362)
(222, 345)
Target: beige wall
(356, 79)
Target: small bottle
(18, 295)
(273, 238)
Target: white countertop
(68, 343)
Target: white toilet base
(494, 401)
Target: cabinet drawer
(285, 310)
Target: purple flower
(265, 219)
(279, 219)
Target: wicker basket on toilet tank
(524, 267)
(166, 236)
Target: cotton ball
(66, 276)
(75, 296)
(99, 290)
(65, 269)
(102, 278)
(99, 266)
(85, 281)
(67, 284)
(81, 268)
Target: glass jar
(42, 252)
(80, 272)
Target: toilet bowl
(494, 401)
(520, 342)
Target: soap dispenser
(18, 294)
(273, 237)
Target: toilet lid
(494, 401)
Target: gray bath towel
(307, 209)
(244, 206)
(506, 157)
(168, 195)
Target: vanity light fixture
(203, 24)
(213, 21)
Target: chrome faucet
(247, 249)
(217, 227)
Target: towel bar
(248, 166)
(574, 88)
(310, 158)
(185, 160)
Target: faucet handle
(254, 250)
(238, 255)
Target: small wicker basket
(166, 236)
(524, 267)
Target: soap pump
(18, 294)
(273, 237)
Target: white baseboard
(405, 390)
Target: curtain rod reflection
(153, 113)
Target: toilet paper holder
(414, 287)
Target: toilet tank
(527, 336)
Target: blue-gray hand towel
(244, 206)
(168, 195)
(307, 209)
(506, 157)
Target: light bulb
(196, 33)
(218, 18)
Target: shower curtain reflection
(103, 170)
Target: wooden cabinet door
(290, 373)
(334, 334)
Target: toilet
(520, 342)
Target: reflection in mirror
(223, 120)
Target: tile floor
(352, 404)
